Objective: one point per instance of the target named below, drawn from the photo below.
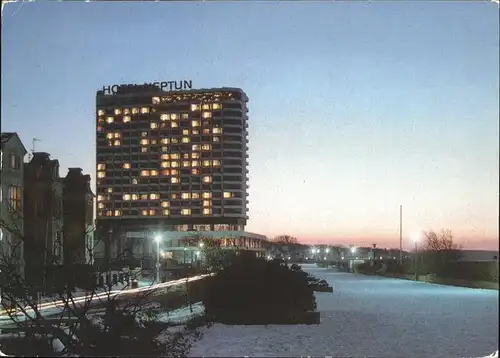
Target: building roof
(7, 136)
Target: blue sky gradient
(355, 107)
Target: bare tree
(72, 302)
(285, 240)
(440, 250)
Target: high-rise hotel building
(171, 162)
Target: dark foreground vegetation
(256, 291)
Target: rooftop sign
(165, 85)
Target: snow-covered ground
(373, 316)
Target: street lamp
(157, 239)
(415, 238)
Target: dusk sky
(355, 107)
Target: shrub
(257, 291)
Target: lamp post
(416, 238)
(157, 239)
(351, 261)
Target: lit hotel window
(126, 119)
(126, 111)
(154, 125)
(144, 196)
(185, 156)
(110, 119)
(196, 132)
(118, 212)
(216, 139)
(207, 115)
(207, 203)
(126, 165)
(144, 141)
(126, 196)
(175, 140)
(206, 106)
(174, 124)
(118, 111)
(195, 171)
(184, 116)
(144, 134)
(165, 204)
(100, 112)
(109, 190)
(165, 141)
(186, 196)
(195, 107)
(174, 172)
(206, 163)
(185, 164)
(144, 110)
(100, 197)
(185, 132)
(195, 163)
(185, 140)
(216, 106)
(195, 195)
(165, 117)
(155, 100)
(217, 131)
(165, 156)
(227, 195)
(195, 155)
(101, 166)
(144, 173)
(154, 141)
(154, 173)
(216, 163)
(195, 147)
(206, 147)
(175, 156)
(134, 181)
(135, 110)
(207, 211)
(174, 196)
(154, 196)
(186, 212)
(207, 195)
(164, 149)
(174, 116)
(206, 130)
(195, 123)
(109, 135)
(100, 205)
(165, 164)
(135, 197)
(101, 174)
(207, 179)
(174, 180)
(144, 150)
(175, 164)
(117, 134)
(166, 212)
(152, 212)
(117, 143)
(144, 212)
(165, 172)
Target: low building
(43, 217)
(78, 213)
(141, 246)
(11, 200)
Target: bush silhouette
(256, 291)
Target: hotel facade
(171, 164)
